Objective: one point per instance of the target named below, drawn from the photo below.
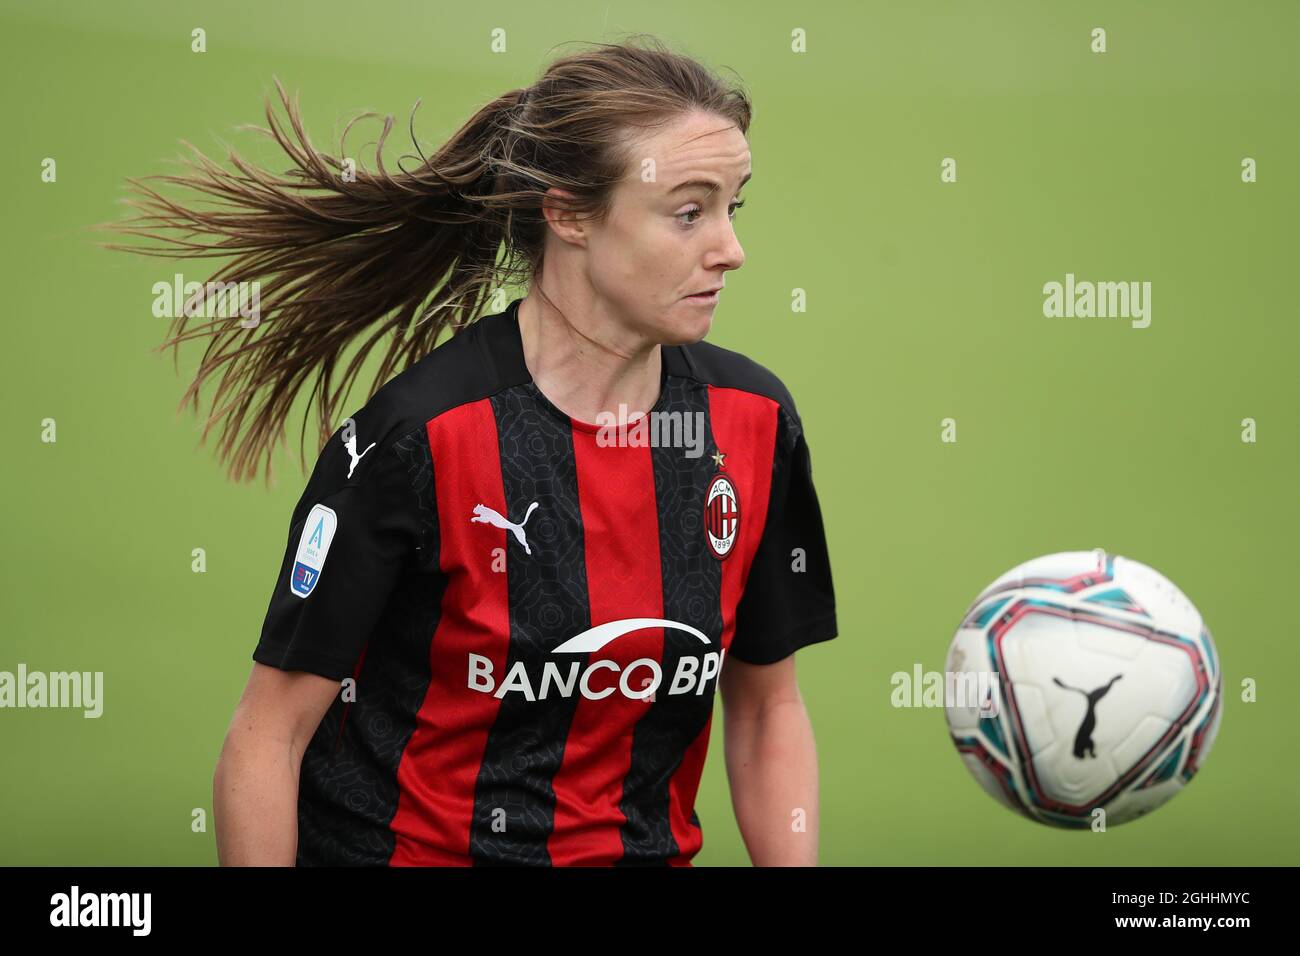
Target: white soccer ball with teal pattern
(1102, 689)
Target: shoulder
(724, 368)
(470, 365)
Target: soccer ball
(1100, 688)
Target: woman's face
(668, 235)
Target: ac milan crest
(721, 515)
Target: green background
(924, 302)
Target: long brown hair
(399, 255)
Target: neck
(584, 362)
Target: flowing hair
(342, 255)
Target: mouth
(708, 297)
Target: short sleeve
(357, 526)
(789, 600)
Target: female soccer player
(536, 552)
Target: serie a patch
(313, 546)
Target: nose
(727, 253)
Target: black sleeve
(350, 537)
(788, 601)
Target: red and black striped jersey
(535, 610)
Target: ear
(565, 224)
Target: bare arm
(255, 786)
(771, 762)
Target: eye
(696, 211)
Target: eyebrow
(706, 184)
